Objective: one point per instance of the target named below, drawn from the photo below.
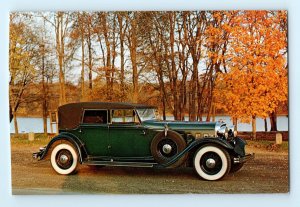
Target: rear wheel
(64, 159)
(212, 162)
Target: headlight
(222, 131)
(231, 131)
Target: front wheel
(64, 159)
(212, 162)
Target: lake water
(36, 124)
(28, 124)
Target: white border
(290, 199)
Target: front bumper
(243, 159)
(37, 155)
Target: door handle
(143, 132)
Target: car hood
(195, 125)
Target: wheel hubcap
(63, 159)
(210, 163)
(167, 148)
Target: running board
(116, 163)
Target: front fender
(68, 137)
(196, 144)
(239, 146)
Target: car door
(94, 132)
(127, 137)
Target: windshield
(147, 114)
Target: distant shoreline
(167, 115)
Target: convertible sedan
(124, 134)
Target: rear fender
(68, 137)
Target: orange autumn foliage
(257, 60)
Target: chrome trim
(42, 148)
(246, 158)
(223, 131)
(166, 129)
(63, 159)
(232, 129)
(218, 127)
(210, 163)
(167, 148)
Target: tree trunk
(133, 48)
(122, 39)
(213, 112)
(16, 123)
(11, 116)
(60, 52)
(90, 58)
(163, 99)
(80, 19)
(210, 101)
(273, 121)
(194, 91)
(108, 58)
(44, 101)
(235, 122)
(254, 127)
(114, 46)
(45, 117)
(173, 77)
(82, 68)
(266, 124)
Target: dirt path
(268, 173)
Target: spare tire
(164, 148)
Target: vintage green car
(124, 134)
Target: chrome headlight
(223, 131)
(231, 131)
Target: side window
(125, 116)
(95, 117)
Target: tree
(45, 70)
(65, 49)
(22, 51)
(132, 40)
(257, 81)
(122, 31)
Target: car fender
(68, 137)
(196, 144)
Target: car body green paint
(115, 143)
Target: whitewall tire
(211, 162)
(64, 159)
